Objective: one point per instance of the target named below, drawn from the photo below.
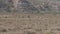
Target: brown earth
(29, 24)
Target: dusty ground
(29, 24)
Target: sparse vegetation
(29, 6)
(29, 16)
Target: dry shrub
(50, 5)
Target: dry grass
(29, 24)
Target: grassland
(29, 24)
